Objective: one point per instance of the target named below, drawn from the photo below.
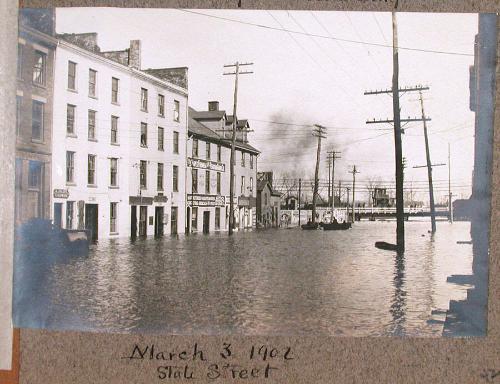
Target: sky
(316, 76)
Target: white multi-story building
(119, 141)
(208, 173)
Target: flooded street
(264, 282)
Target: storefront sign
(205, 164)
(206, 200)
(61, 193)
(160, 199)
(243, 201)
(140, 200)
(247, 201)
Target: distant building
(120, 159)
(208, 174)
(268, 201)
(34, 106)
(381, 198)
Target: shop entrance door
(158, 221)
(91, 220)
(58, 215)
(206, 221)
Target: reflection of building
(120, 156)
(35, 71)
(207, 180)
(268, 201)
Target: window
(71, 75)
(143, 174)
(242, 158)
(195, 147)
(207, 150)
(20, 61)
(161, 138)
(217, 218)
(176, 110)
(92, 83)
(70, 167)
(176, 142)
(219, 153)
(242, 185)
(159, 179)
(144, 99)
(251, 184)
(175, 178)
(194, 219)
(35, 175)
(19, 104)
(265, 198)
(144, 135)
(114, 90)
(91, 125)
(39, 68)
(114, 130)
(70, 214)
(113, 213)
(194, 177)
(161, 105)
(70, 119)
(251, 161)
(218, 182)
(207, 182)
(91, 170)
(37, 117)
(113, 172)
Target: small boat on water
(335, 226)
(310, 226)
(386, 246)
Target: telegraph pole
(318, 132)
(329, 174)
(300, 192)
(429, 168)
(354, 171)
(333, 155)
(395, 91)
(450, 205)
(236, 73)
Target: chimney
(213, 105)
(134, 54)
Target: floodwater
(261, 282)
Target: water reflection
(272, 282)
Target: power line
(325, 37)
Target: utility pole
(354, 171)
(236, 73)
(329, 174)
(429, 167)
(395, 91)
(318, 132)
(450, 205)
(333, 155)
(347, 208)
(300, 192)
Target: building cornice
(131, 71)
(43, 37)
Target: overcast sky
(305, 80)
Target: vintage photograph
(253, 172)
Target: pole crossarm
(403, 90)
(432, 165)
(389, 121)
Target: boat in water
(335, 226)
(310, 226)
